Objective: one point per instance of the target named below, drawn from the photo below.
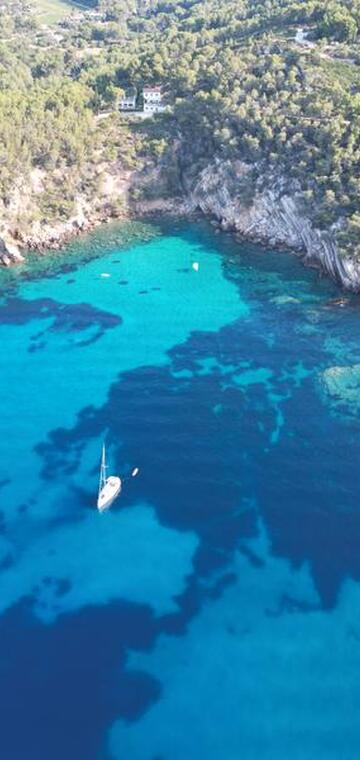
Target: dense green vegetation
(240, 83)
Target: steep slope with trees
(274, 85)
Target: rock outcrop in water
(273, 216)
(342, 386)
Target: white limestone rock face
(21, 218)
(273, 216)
(9, 253)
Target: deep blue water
(214, 612)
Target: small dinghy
(109, 488)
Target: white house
(153, 99)
(128, 100)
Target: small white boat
(109, 488)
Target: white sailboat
(109, 488)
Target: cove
(213, 612)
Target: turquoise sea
(214, 612)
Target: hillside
(269, 90)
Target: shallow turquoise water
(214, 611)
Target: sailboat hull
(108, 493)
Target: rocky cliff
(273, 216)
(118, 193)
(25, 225)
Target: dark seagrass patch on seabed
(192, 432)
(66, 318)
(78, 669)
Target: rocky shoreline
(274, 217)
(52, 237)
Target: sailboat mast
(102, 469)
